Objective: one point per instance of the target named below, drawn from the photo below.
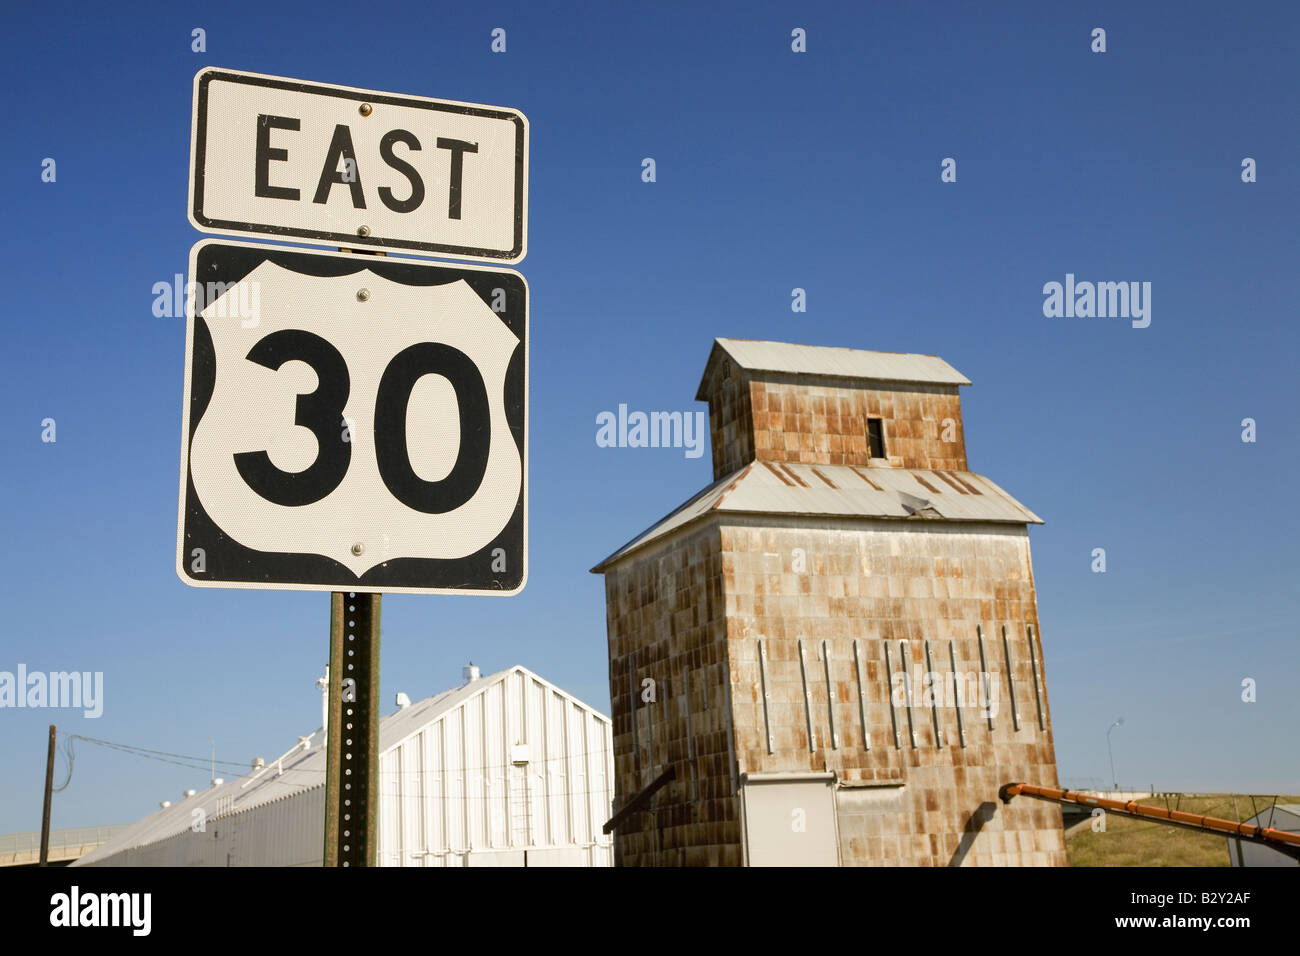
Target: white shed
(504, 770)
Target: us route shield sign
(339, 166)
(353, 423)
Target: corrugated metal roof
(858, 364)
(300, 770)
(781, 488)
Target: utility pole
(49, 799)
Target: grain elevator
(831, 655)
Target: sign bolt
(358, 549)
(363, 295)
(366, 109)
(363, 230)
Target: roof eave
(628, 550)
(719, 345)
(701, 393)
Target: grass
(1131, 842)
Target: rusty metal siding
(869, 591)
(666, 616)
(769, 401)
(891, 594)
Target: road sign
(339, 166)
(353, 423)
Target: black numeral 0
(322, 412)
(408, 366)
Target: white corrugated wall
(452, 794)
(285, 832)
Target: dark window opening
(876, 437)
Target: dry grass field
(1130, 842)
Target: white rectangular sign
(339, 166)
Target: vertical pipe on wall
(957, 692)
(807, 699)
(903, 652)
(1011, 684)
(830, 696)
(889, 692)
(985, 683)
(935, 691)
(862, 705)
(1033, 659)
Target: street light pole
(1113, 780)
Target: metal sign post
(352, 732)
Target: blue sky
(775, 170)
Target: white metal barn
(505, 770)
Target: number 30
(321, 412)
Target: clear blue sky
(775, 170)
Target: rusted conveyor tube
(1288, 843)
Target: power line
(159, 755)
(203, 763)
(142, 751)
(69, 756)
